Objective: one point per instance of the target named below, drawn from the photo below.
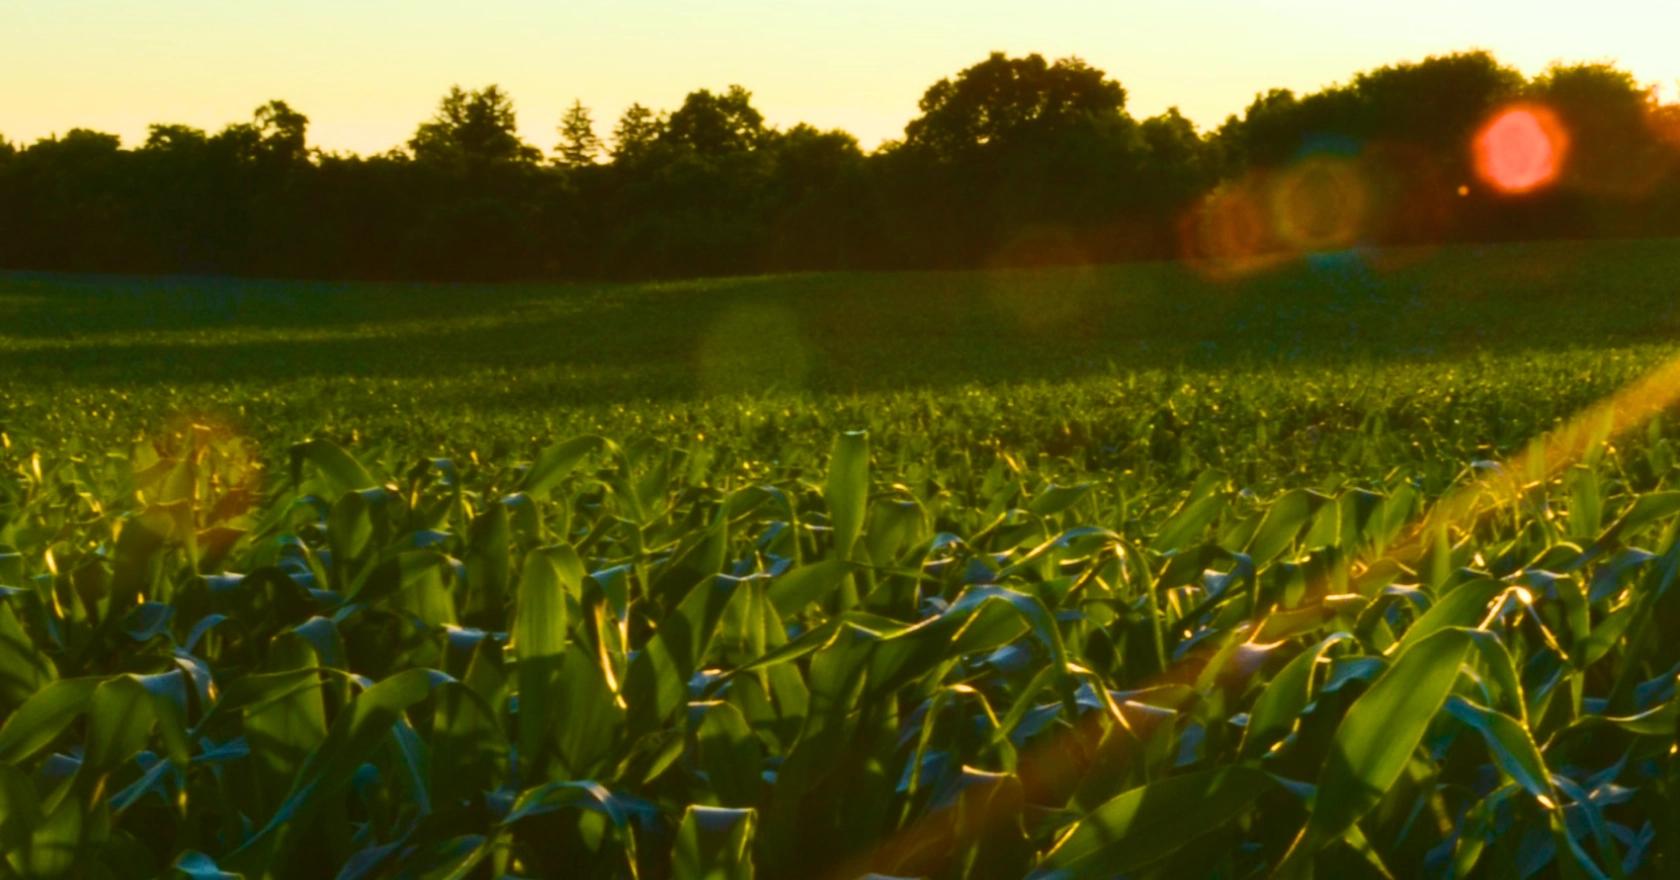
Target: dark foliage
(1013, 161)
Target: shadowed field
(1388, 332)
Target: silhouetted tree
(1263, 135)
(72, 204)
(1616, 159)
(1178, 164)
(1013, 161)
(174, 138)
(635, 134)
(477, 127)
(1613, 148)
(1004, 99)
(690, 187)
(579, 145)
(1408, 127)
(283, 133)
(80, 143)
(1436, 103)
(819, 198)
(714, 125)
(1010, 161)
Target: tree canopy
(1010, 161)
(473, 127)
(1004, 100)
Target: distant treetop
(475, 128)
(1005, 99)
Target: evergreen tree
(579, 145)
(637, 130)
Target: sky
(366, 72)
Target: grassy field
(1140, 570)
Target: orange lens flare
(1227, 235)
(1521, 149)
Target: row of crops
(643, 660)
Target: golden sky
(367, 71)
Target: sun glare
(1520, 150)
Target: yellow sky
(367, 71)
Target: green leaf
(1285, 519)
(1054, 499)
(714, 843)
(468, 749)
(1586, 502)
(1659, 721)
(728, 753)
(488, 567)
(1647, 508)
(847, 491)
(539, 641)
(56, 846)
(656, 684)
(355, 734)
(285, 722)
(121, 715)
(197, 866)
(24, 668)
(44, 716)
(1149, 823)
(805, 584)
(262, 688)
(1377, 737)
(1511, 746)
(20, 809)
(1502, 680)
(342, 472)
(409, 572)
(558, 461)
(1185, 527)
(700, 556)
(1281, 703)
(592, 726)
(1465, 606)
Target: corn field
(628, 661)
(1359, 567)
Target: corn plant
(645, 661)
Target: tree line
(1012, 161)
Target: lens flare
(1319, 204)
(751, 350)
(1521, 149)
(1227, 234)
(1053, 301)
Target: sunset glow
(365, 72)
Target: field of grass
(1135, 571)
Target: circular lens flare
(1227, 225)
(1521, 149)
(1319, 204)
